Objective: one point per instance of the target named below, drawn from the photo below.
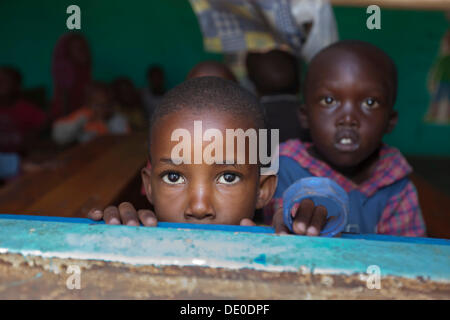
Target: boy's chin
(345, 161)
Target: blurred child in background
(71, 71)
(276, 76)
(128, 102)
(98, 117)
(155, 89)
(211, 69)
(20, 120)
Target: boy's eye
(370, 103)
(327, 101)
(173, 178)
(228, 178)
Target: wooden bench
(90, 175)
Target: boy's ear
(267, 186)
(392, 121)
(302, 116)
(146, 173)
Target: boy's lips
(346, 140)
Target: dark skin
(201, 193)
(195, 193)
(348, 109)
(349, 98)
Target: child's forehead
(370, 67)
(210, 118)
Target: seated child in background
(20, 120)
(71, 72)
(128, 102)
(155, 89)
(211, 69)
(350, 91)
(97, 118)
(208, 193)
(276, 76)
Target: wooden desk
(435, 207)
(90, 175)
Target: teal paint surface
(233, 228)
(219, 249)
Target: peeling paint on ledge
(142, 246)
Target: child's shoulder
(392, 159)
(391, 166)
(292, 146)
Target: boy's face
(202, 193)
(349, 107)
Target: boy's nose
(199, 205)
(348, 117)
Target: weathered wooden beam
(138, 262)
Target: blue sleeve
(9, 164)
(289, 172)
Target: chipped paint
(141, 246)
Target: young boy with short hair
(350, 91)
(217, 192)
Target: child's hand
(125, 214)
(307, 219)
(247, 222)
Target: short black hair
(214, 68)
(360, 48)
(210, 93)
(274, 72)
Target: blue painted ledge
(232, 228)
(222, 249)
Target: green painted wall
(127, 36)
